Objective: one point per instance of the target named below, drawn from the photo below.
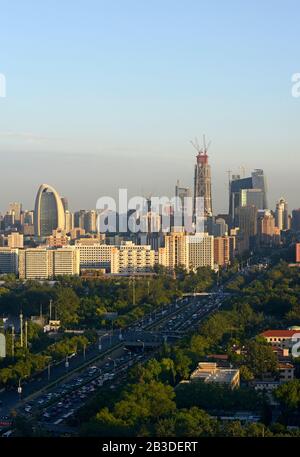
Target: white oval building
(49, 212)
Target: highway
(53, 399)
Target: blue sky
(102, 95)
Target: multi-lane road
(60, 391)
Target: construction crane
(201, 150)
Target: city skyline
(120, 97)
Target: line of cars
(57, 406)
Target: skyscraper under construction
(202, 182)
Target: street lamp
(115, 363)
(20, 389)
(143, 344)
(129, 352)
(49, 370)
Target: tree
(66, 305)
(145, 402)
(260, 359)
(288, 395)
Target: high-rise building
(259, 182)
(43, 263)
(247, 228)
(69, 221)
(16, 209)
(184, 195)
(187, 251)
(282, 215)
(93, 254)
(268, 233)
(35, 263)
(90, 221)
(79, 218)
(219, 227)
(202, 183)
(8, 260)
(296, 220)
(200, 248)
(176, 250)
(252, 197)
(224, 250)
(65, 203)
(15, 240)
(49, 212)
(246, 192)
(65, 261)
(131, 258)
(297, 252)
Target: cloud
(23, 136)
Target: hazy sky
(108, 94)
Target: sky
(108, 94)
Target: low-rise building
(210, 372)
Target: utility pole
(21, 329)
(26, 334)
(50, 310)
(13, 341)
(133, 290)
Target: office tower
(219, 227)
(131, 258)
(247, 227)
(224, 250)
(252, 197)
(69, 221)
(238, 195)
(16, 209)
(8, 221)
(259, 182)
(65, 203)
(90, 221)
(202, 182)
(15, 240)
(282, 215)
(28, 217)
(200, 248)
(296, 220)
(8, 260)
(79, 219)
(182, 193)
(48, 212)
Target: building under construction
(202, 181)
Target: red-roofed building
(282, 338)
